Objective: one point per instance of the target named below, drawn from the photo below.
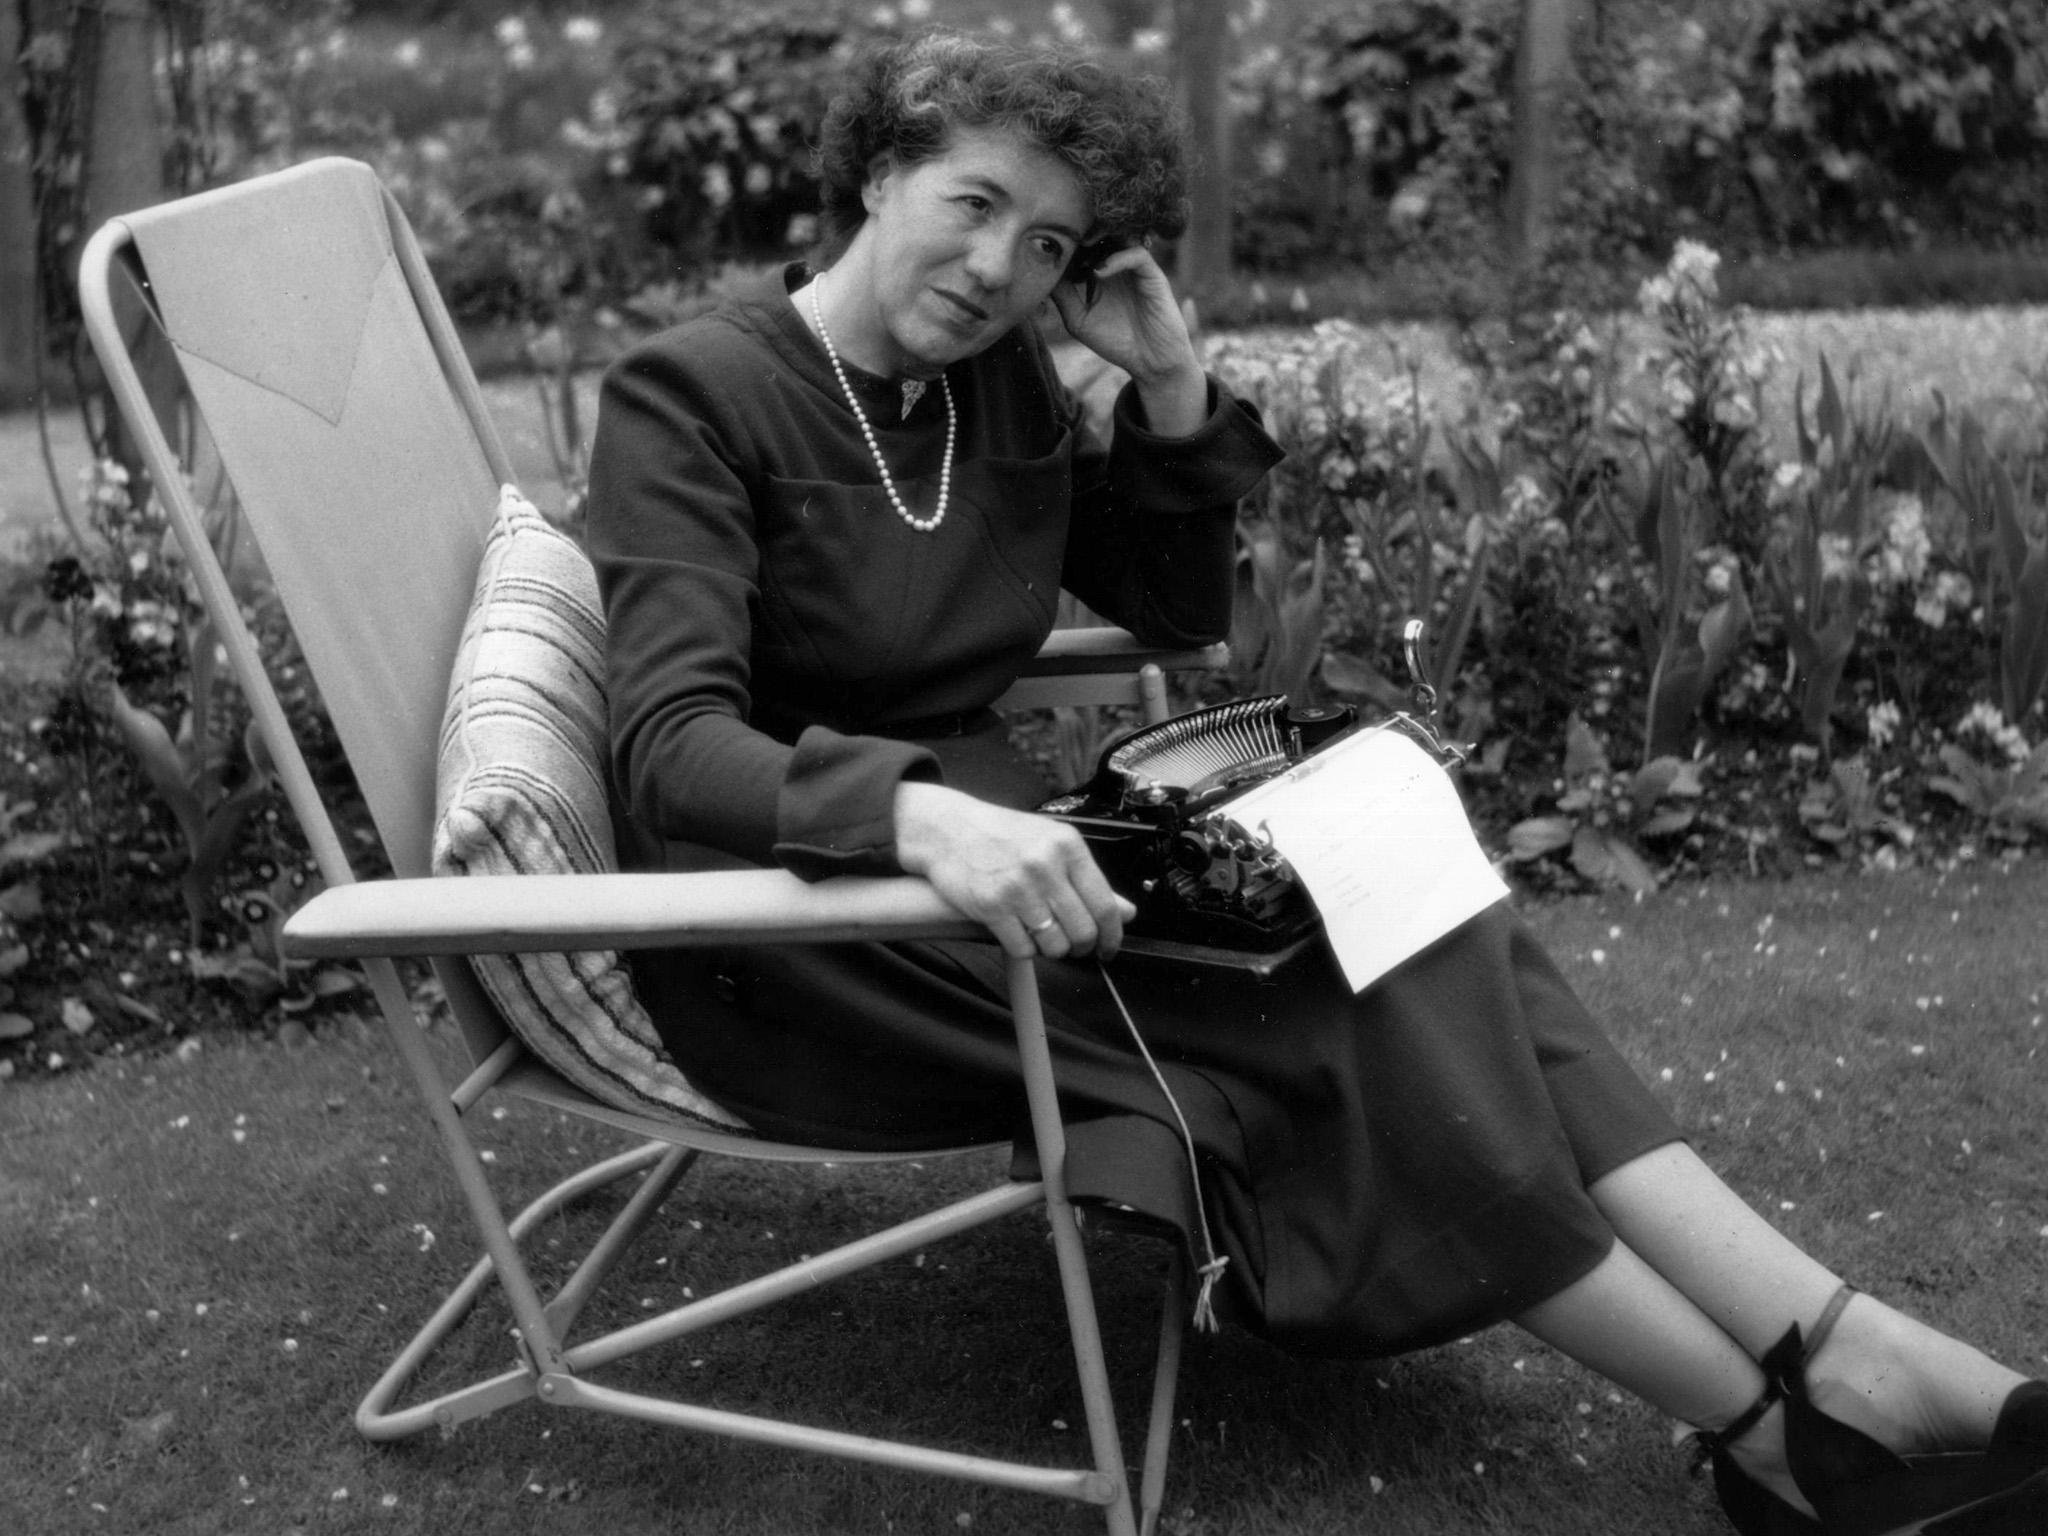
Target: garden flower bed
(1992, 359)
(1708, 589)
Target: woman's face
(957, 249)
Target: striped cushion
(520, 790)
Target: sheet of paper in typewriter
(1374, 828)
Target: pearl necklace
(921, 524)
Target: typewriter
(1157, 816)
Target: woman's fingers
(1082, 913)
(1017, 940)
(1128, 316)
(1054, 906)
(1129, 258)
(1031, 880)
(1068, 928)
(1104, 910)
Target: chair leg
(1068, 1251)
(375, 1418)
(620, 1236)
(1152, 700)
(401, 1026)
(1173, 1313)
(1096, 1400)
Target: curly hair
(1120, 134)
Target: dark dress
(1385, 1171)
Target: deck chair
(339, 402)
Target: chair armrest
(1103, 648)
(500, 914)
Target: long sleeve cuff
(1217, 463)
(836, 813)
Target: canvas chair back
(347, 418)
(336, 394)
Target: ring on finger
(1045, 927)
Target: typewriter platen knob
(1310, 725)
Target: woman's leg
(1895, 1378)
(1632, 1325)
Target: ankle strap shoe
(1859, 1487)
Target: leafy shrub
(710, 120)
(144, 714)
(1990, 772)
(2007, 549)
(144, 678)
(1602, 816)
(1379, 132)
(1356, 484)
(1855, 606)
(1880, 117)
(1374, 126)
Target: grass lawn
(209, 1260)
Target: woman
(831, 520)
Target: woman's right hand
(1029, 878)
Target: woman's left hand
(1129, 317)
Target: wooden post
(1544, 79)
(1201, 48)
(124, 171)
(20, 293)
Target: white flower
(584, 31)
(1791, 478)
(1837, 557)
(1735, 411)
(1695, 265)
(1410, 206)
(1718, 570)
(1882, 723)
(1987, 722)
(1758, 361)
(1355, 563)
(1523, 499)
(1687, 287)
(1901, 559)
